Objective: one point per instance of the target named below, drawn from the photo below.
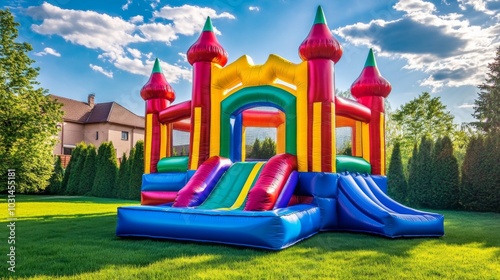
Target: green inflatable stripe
(253, 184)
(172, 164)
(353, 164)
(229, 186)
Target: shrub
(136, 171)
(396, 181)
(76, 172)
(55, 181)
(444, 176)
(88, 171)
(122, 187)
(75, 154)
(106, 171)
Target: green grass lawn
(75, 238)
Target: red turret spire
(157, 86)
(370, 82)
(207, 48)
(320, 43)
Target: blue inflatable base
(272, 230)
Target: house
(94, 123)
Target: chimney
(91, 100)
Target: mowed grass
(74, 238)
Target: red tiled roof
(122, 115)
(80, 112)
(74, 111)
(100, 113)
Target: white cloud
(112, 36)
(466, 106)
(154, 4)
(125, 6)
(134, 52)
(136, 19)
(189, 20)
(158, 32)
(478, 5)
(254, 8)
(101, 70)
(184, 56)
(457, 54)
(47, 51)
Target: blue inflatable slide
(305, 203)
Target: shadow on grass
(72, 199)
(73, 245)
(62, 246)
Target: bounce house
(216, 195)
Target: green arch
(259, 96)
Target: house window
(124, 135)
(67, 150)
(97, 135)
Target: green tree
(121, 188)
(55, 181)
(106, 171)
(88, 171)
(344, 94)
(76, 172)
(490, 171)
(419, 182)
(255, 149)
(28, 117)
(136, 171)
(444, 176)
(412, 176)
(472, 183)
(424, 116)
(396, 181)
(268, 148)
(480, 186)
(75, 155)
(487, 104)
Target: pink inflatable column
(158, 95)
(321, 51)
(205, 51)
(370, 89)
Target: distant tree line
(94, 172)
(436, 176)
(262, 150)
(436, 181)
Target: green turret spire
(208, 25)
(320, 16)
(370, 60)
(157, 67)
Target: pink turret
(320, 43)
(370, 89)
(205, 51)
(321, 51)
(158, 95)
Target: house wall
(124, 146)
(90, 133)
(76, 133)
(71, 133)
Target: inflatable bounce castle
(216, 195)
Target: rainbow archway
(250, 97)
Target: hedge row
(96, 173)
(434, 179)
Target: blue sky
(108, 47)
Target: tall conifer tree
(396, 181)
(88, 171)
(107, 169)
